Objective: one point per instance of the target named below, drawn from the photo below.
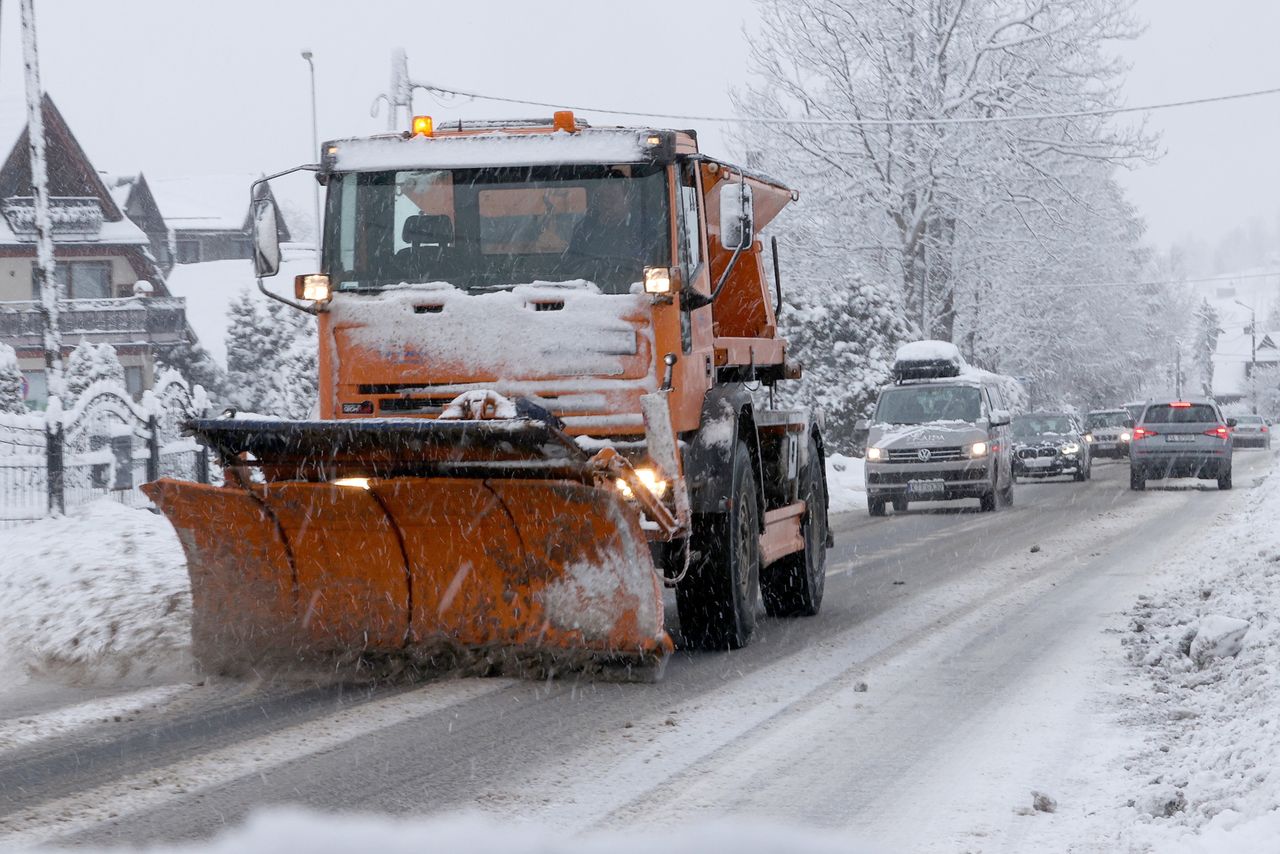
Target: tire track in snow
(258, 756)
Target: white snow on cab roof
(589, 145)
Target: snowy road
(948, 676)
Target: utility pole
(315, 149)
(42, 273)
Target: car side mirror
(1000, 417)
(737, 217)
(1231, 422)
(862, 425)
(266, 237)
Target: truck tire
(987, 501)
(875, 506)
(900, 505)
(716, 601)
(792, 586)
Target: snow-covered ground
(1186, 754)
(846, 483)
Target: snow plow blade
(471, 560)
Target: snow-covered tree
(197, 367)
(1208, 326)
(271, 358)
(10, 382)
(90, 363)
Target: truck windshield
(488, 229)
(922, 404)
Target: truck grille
(925, 455)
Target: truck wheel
(716, 601)
(987, 501)
(1224, 479)
(1137, 478)
(900, 505)
(792, 586)
(875, 506)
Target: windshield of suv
(488, 229)
(1039, 425)
(1107, 419)
(1195, 414)
(922, 404)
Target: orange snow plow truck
(546, 354)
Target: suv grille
(926, 455)
(1032, 453)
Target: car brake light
(1180, 404)
(1143, 433)
(1221, 431)
(1263, 428)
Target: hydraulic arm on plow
(539, 343)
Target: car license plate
(926, 487)
(1106, 446)
(1038, 463)
(1180, 437)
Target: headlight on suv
(875, 455)
(1070, 448)
(977, 450)
(1124, 437)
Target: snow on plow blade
(515, 573)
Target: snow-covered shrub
(90, 363)
(10, 382)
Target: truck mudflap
(525, 573)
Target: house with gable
(210, 216)
(106, 261)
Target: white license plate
(1038, 463)
(926, 487)
(1180, 437)
(1106, 446)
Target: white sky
(175, 88)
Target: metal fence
(110, 445)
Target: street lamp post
(1253, 356)
(315, 148)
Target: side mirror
(1000, 417)
(737, 217)
(862, 425)
(266, 238)
(1231, 422)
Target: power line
(1057, 286)
(971, 120)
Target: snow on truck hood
(530, 331)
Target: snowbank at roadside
(1211, 756)
(846, 483)
(101, 595)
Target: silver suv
(1181, 438)
(938, 439)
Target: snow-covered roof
(589, 145)
(209, 288)
(198, 202)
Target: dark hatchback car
(1181, 438)
(1049, 444)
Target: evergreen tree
(10, 382)
(197, 367)
(844, 333)
(1207, 330)
(253, 349)
(90, 363)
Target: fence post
(54, 469)
(153, 448)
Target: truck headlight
(657, 280)
(978, 449)
(875, 454)
(648, 476)
(312, 286)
